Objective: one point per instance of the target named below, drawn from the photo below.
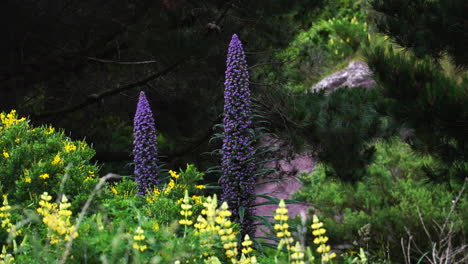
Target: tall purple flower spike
(145, 148)
(238, 165)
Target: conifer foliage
(145, 148)
(426, 27)
(238, 166)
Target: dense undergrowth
(182, 223)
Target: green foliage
(162, 205)
(340, 127)
(390, 196)
(336, 34)
(427, 27)
(37, 160)
(348, 120)
(426, 101)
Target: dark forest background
(79, 65)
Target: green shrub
(331, 38)
(37, 160)
(394, 189)
(345, 123)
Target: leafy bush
(393, 191)
(162, 205)
(37, 160)
(335, 35)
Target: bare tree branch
(94, 98)
(121, 62)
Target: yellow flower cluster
(207, 226)
(186, 206)
(174, 174)
(6, 258)
(282, 226)
(297, 255)
(44, 176)
(10, 119)
(57, 218)
(169, 186)
(56, 160)
(113, 190)
(91, 176)
(139, 239)
(226, 232)
(246, 250)
(320, 239)
(196, 198)
(5, 217)
(152, 196)
(69, 147)
(49, 131)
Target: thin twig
(83, 212)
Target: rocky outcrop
(357, 73)
(288, 165)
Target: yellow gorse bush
(57, 219)
(10, 119)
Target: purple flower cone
(145, 150)
(238, 165)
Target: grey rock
(288, 165)
(357, 73)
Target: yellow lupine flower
(57, 219)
